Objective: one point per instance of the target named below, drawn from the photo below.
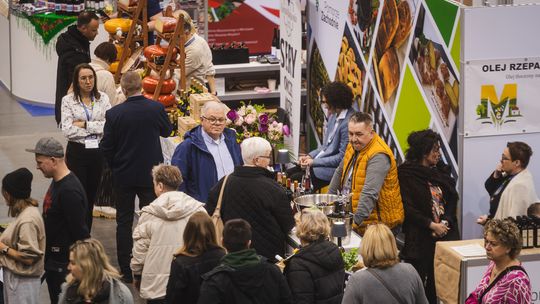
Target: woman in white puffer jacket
(158, 234)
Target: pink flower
(242, 111)
(286, 130)
(250, 118)
(239, 121)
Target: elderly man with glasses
(252, 194)
(208, 152)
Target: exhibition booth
(471, 73)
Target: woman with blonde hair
(385, 279)
(316, 273)
(92, 278)
(22, 244)
(199, 254)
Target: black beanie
(18, 183)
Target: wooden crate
(197, 101)
(185, 123)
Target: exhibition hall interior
(269, 151)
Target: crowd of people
(176, 254)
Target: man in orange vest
(368, 173)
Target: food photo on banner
(502, 96)
(388, 56)
(362, 15)
(436, 73)
(318, 79)
(351, 67)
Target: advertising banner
(502, 96)
(249, 21)
(401, 60)
(290, 69)
(500, 103)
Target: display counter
(32, 76)
(457, 274)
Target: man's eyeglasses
(214, 121)
(503, 158)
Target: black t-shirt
(65, 221)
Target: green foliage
(350, 258)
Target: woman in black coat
(316, 273)
(251, 193)
(430, 200)
(199, 254)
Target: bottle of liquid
(296, 189)
(306, 182)
(522, 231)
(279, 178)
(69, 7)
(58, 6)
(288, 190)
(274, 47)
(530, 232)
(50, 5)
(536, 221)
(278, 46)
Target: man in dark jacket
(132, 148)
(73, 48)
(64, 212)
(251, 193)
(243, 276)
(208, 152)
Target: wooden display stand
(139, 16)
(176, 40)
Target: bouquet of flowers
(252, 120)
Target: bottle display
(275, 42)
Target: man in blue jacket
(208, 152)
(132, 148)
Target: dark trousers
(87, 165)
(54, 280)
(425, 269)
(125, 209)
(159, 301)
(296, 173)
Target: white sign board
(486, 40)
(328, 31)
(502, 96)
(291, 67)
